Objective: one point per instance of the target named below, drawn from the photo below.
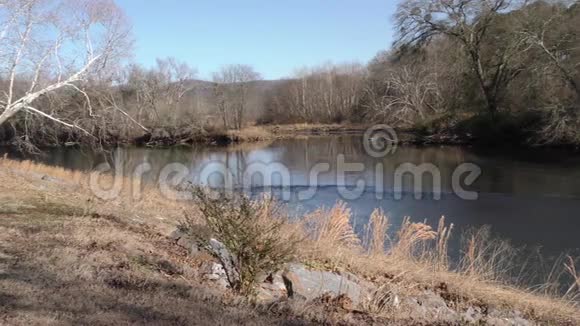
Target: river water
(531, 197)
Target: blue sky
(275, 36)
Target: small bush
(256, 233)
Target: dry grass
(59, 266)
(316, 128)
(376, 232)
(250, 134)
(268, 133)
(416, 258)
(148, 205)
(333, 226)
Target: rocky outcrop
(216, 274)
(344, 290)
(308, 284)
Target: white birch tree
(51, 45)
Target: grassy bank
(69, 257)
(258, 133)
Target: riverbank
(189, 135)
(61, 244)
(468, 130)
(246, 135)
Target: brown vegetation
(252, 231)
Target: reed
(332, 227)
(376, 232)
(409, 237)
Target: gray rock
(215, 273)
(415, 308)
(429, 306)
(272, 289)
(432, 300)
(309, 284)
(496, 321)
(228, 261)
(509, 318)
(473, 315)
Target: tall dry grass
(332, 227)
(486, 258)
(249, 134)
(418, 256)
(28, 166)
(375, 234)
(573, 292)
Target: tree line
(473, 69)
(480, 68)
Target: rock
(272, 289)
(495, 321)
(432, 300)
(215, 273)
(228, 261)
(429, 306)
(509, 318)
(191, 245)
(415, 308)
(473, 315)
(185, 241)
(309, 284)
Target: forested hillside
(471, 70)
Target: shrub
(255, 232)
(506, 129)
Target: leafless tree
(159, 91)
(46, 46)
(549, 31)
(233, 84)
(470, 23)
(327, 93)
(409, 95)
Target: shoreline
(161, 138)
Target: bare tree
(408, 95)
(470, 23)
(49, 45)
(176, 78)
(550, 31)
(327, 93)
(233, 84)
(159, 92)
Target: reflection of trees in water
(537, 173)
(302, 155)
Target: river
(531, 197)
